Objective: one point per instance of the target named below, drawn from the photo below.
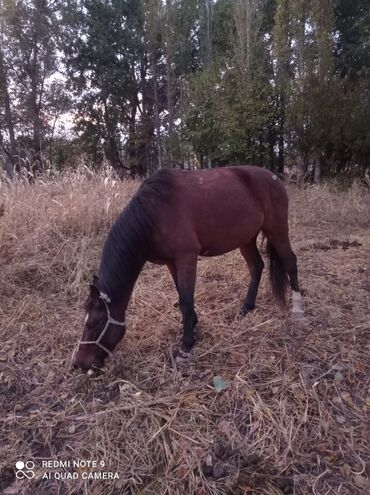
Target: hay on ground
(292, 419)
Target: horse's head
(104, 328)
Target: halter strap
(109, 321)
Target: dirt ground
(292, 419)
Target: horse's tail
(278, 275)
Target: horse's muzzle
(86, 361)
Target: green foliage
(150, 83)
(31, 99)
(202, 126)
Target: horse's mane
(128, 242)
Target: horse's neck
(124, 255)
(118, 281)
(127, 289)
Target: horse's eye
(95, 323)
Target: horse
(175, 217)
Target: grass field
(293, 418)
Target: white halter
(109, 321)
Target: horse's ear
(104, 296)
(95, 281)
(94, 294)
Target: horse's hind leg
(283, 261)
(290, 264)
(255, 265)
(186, 268)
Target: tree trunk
(147, 118)
(12, 154)
(282, 47)
(317, 172)
(181, 121)
(169, 77)
(34, 109)
(280, 162)
(271, 144)
(131, 142)
(301, 169)
(206, 33)
(156, 111)
(5, 161)
(170, 109)
(112, 151)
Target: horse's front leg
(173, 271)
(186, 268)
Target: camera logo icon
(24, 470)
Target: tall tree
(28, 61)
(154, 13)
(8, 124)
(282, 53)
(273, 82)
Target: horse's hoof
(182, 357)
(95, 372)
(245, 310)
(298, 315)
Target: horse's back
(240, 188)
(247, 177)
(214, 210)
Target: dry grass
(293, 417)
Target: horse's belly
(227, 241)
(218, 250)
(216, 238)
(212, 252)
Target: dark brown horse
(174, 217)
